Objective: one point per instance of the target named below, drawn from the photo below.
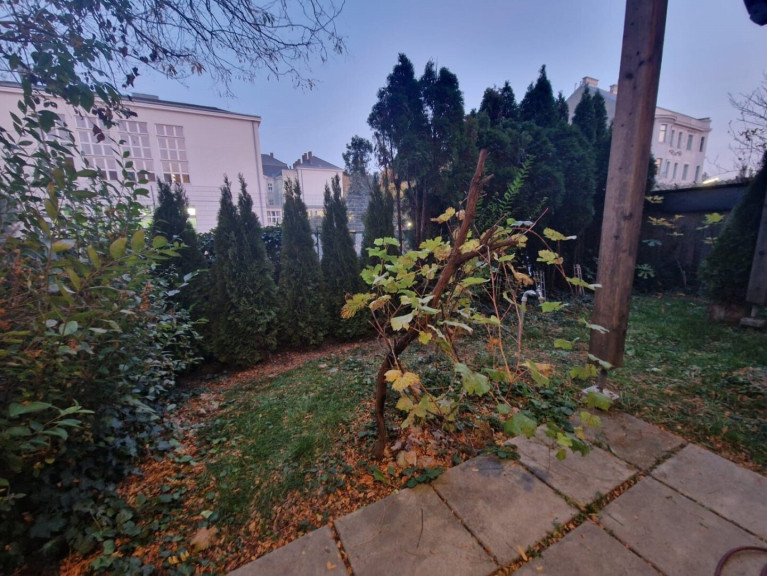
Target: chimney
(310, 156)
(271, 154)
(591, 82)
(303, 158)
(613, 88)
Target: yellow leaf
(330, 566)
(424, 337)
(405, 381)
(445, 216)
(392, 375)
(522, 553)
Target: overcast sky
(712, 50)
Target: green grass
(703, 380)
(278, 435)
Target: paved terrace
(671, 508)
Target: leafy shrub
(88, 351)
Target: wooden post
(643, 32)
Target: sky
(712, 50)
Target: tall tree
(398, 123)
(243, 300)
(584, 116)
(357, 157)
(302, 317)
(340, 265)
(379, 219)
(539, 105)
(443, 105)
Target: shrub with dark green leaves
(88, 348)
(302, 316)
(726, 271)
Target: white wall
(217, 143)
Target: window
(685, 171)
(662, 133)
(689, 142)
(665, 170)
(93, 143)
(676, 165)
(671, 142)
(658, 165)
(191, 213)
(679, 140)
(273, 217)
(270, 187)
(175, 167)
(702, 143)
(697, 173)
(134, 139)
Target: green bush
(726, 271)
(88, 351)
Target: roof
(272, 167)
(310, 161)
(155, 100)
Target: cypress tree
(539, 105)
(243, 301)
(302, 318)
(725, 272)
(379, 220)
(584, 117)
(340, 266)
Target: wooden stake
(643, 32)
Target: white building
(175, 142)
(679, 141)
(312, 174)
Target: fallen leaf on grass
(204, 538)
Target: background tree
(302, 315)
(340, 265)
(379, 220)
(725, 273)
(171, 221)
(750, 130)
(243, 302)
(398, 123)
(357, 157)
(538, 105)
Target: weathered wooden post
(643, 32)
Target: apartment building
(174, 142)
(679, 141)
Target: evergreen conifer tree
(302, 318)
(379, 220)
(243, 300)
(340, 266)
(539, 105)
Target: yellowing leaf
(405, 381)
(563, 344)
(549, 257)
(405, 404)
(138, 241)
(392, 375)
(424, 337)
(555, 236)
(379, 302)
(204, 538)
(401, 322)
(117, 248)
(445, 216)
(62, 245)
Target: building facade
(679, 141)
(312, 174)
(175, 142)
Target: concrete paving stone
(587, 551)
(632, 439)
(503, 505)
(678, 535)
(736, 493)
(412, 532)
(315, 554)
(582, 478)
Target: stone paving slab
(633, 440)
(411, 533)
(587, 551)
(677, 535)
(504, 506)
(315, 554)
(582, 478)
(738, 494)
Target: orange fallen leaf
(203, 538)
